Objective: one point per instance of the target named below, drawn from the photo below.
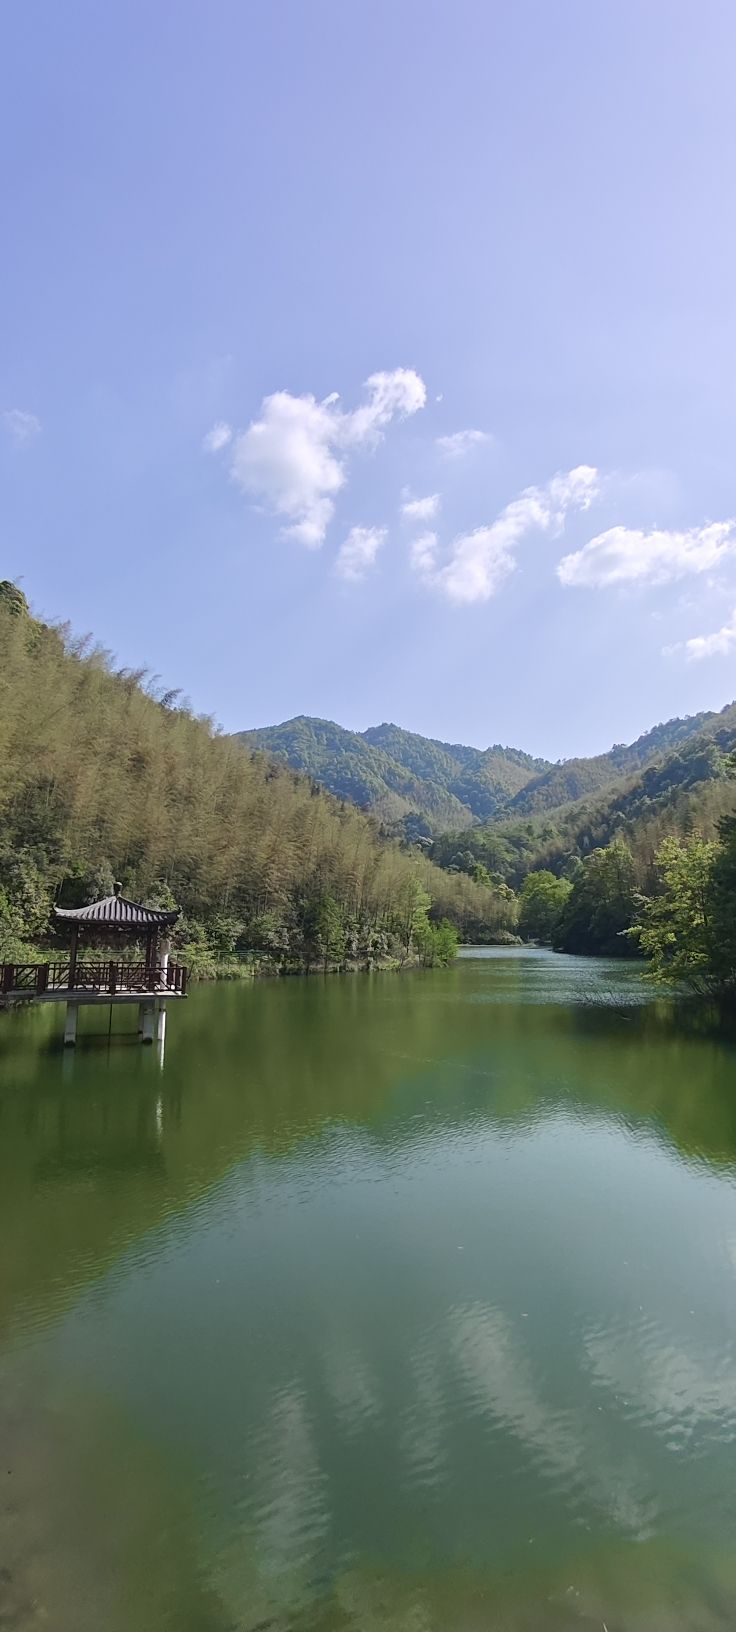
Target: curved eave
(118, 914)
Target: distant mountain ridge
(399, 774)
(420, 784)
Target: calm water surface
(381, 1302)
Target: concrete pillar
(70, 1025)
(141, 1012)
(148, 1022)
(161, 1024)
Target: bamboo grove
(103, 777)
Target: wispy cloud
(481, 561)
(293, 457)
(423, 554)
(459, 443)
(421, 509)
(358, 553)
(625, 555)
(718, 644)
(20, 425)
(218, 438)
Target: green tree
(601, 906)
(331, 935)
(724, 906)
(677, 925)
(541, 902)
(436, 944)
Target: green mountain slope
(353, 768)
(483, 780)
(574, 778)
(399, 774)
(418, 784)
(678, 792)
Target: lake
(376, 1302)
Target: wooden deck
(102, 982)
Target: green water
(395, 1301)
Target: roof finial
(118, 888)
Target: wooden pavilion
(150, 982)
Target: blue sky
(512, 221)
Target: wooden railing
(108, 977)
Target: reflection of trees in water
(259, 1069)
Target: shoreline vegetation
(104, 775)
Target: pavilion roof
(117, 912)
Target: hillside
(678, 792)
(399, 774)
(420, 785)
(574, 778)
(101, 779)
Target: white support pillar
(161, 1024)
(70, 1025)
(148, 1021)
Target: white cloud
(421, 509)
(423, 554)
(358, 553)
(20, 425)
(461, 442)
(218, 437)
(394, 395)
(625, 555)
(480, 561)
(294, 456)
(286, 457)
(719, 644)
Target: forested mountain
(682, 790)
(419, 785)
(484, 780)
(574, 778)
(352, 767)
(101, 779)
(399, 774)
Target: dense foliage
(686, 789)
(600, 907)
(687, 926)
(592, 911)
(420, 786)
(540, 905)
(681, 915)
(101, 778)
(413, 783)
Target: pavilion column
(151, 955)
(73, 958)
(70, 1025)
(149, 1021)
